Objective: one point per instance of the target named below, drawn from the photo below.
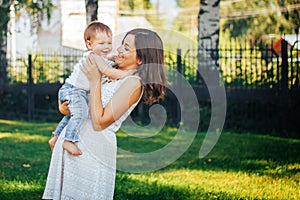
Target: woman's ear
(139, 61)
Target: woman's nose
(120, 49)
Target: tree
(208, 34)
(4, 16)
(256, 19)
(134, 5)
(37, 9)
(186, 20)
(91, 8)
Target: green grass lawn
(241, 166)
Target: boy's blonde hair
(95, 27)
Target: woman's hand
(89, 67)
(63, 108)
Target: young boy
(98, 39)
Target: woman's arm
(128, 93)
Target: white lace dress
(90, 176)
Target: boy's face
(101, 44)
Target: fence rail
(246, 67)
(262, 86)
(46, 67)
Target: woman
(92, 174)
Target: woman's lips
(119, 57)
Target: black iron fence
(262, 85)
(242, 66)
(44, 67)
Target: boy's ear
(88, 44)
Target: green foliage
(188, 66)
(253, 20)
(140, 6)
(256, 19)
(147, 4)
(188, 3)
(186, 21)
(246, 66)
(37, 9)
(135, 5)
(51, 67)
(4, 16)
(45, 71)
(241, 166)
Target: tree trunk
(208, 68)
(4, 10)
(91, 8)
(3, 59)
(208, 37)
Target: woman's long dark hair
(149, 49)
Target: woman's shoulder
(133, 79)
(131, 83)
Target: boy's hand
(112, 58)
(63, 108)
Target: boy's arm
(114, 73)
(109, 71)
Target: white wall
(67, 26)
(49, 34)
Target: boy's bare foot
(71, 148)
(52, 141)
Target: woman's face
(127, 58)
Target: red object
(277, 46)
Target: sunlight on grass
(250, 186)
(24, 158)
(240, 166)
(23, 127)
(16, 185)
(16, 189)
(17, 137)
(9, 122)
(24, 123)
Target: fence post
(178, 82)
(284, 83)
(284, 65)
(179, 61)
(30, 99)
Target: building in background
(66, 27)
